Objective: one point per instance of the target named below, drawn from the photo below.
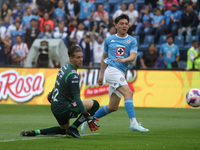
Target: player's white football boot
(139, 128)
(84, 127)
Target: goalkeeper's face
(77, 59)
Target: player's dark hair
(122, 16)
(73, 49)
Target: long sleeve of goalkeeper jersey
(73, 81)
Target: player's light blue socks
(102, 111)
(128, 103)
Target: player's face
(77, 60)
(122, 27)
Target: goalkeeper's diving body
(66, 103)
(119, 50)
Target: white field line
(90, 134)
(37, 138)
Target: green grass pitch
(170, 129)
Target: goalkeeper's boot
(28, 133)
(139, 128)
(73, 132)
(84, 127)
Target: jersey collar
(121, 37)
(73, 65)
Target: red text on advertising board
(20, 88)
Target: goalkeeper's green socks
(81, 118)
(50, 131)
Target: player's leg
(115, 98)
(128, 103)
(114, 101)
(63, 122)
(112, 76)
(91, 106)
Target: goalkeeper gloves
(49, 97)
(93, 125)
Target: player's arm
(131, 58)
(103, 67)
(73, 82)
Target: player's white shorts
(115, 79)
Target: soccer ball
(193, 97)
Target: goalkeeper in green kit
(66, 103)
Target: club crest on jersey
(120, 51)
(128, 41)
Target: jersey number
(55, 94)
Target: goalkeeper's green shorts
(64, 116)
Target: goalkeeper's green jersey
(66, 90)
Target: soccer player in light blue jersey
(119, 50)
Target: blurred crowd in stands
(167, 31)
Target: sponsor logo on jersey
(76, 81)
(120, 51)
(112, 41)
(74, 71)
(75, 77)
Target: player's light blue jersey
(119, 47)
(169, 52)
